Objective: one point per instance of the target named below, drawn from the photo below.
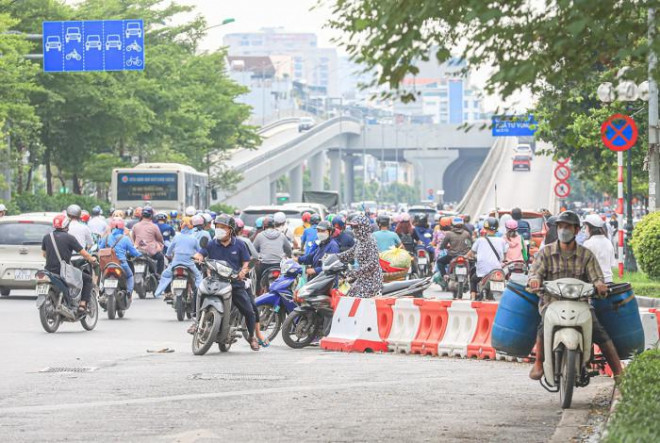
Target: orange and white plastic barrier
(433, 324)
(656, 311)
(650, 327)
(460, 329)
(405, 325)
(354, 327)
(480, 346)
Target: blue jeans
(166, 277)
(130, 281)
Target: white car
(305, 123)
(524, 149)
(20, 249)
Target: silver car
(20, 249)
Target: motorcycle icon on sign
(134, 61)
(73, 55)
(134, 47)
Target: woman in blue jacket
(123, 246)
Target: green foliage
(646, 244)
(641, 283)
(221, 208)
(636, 415)
(55, 203)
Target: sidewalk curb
(616, 398)
(572, 420)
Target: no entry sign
(619, 132)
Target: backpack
(108, 255)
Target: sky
(297, 16)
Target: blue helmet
(174, 214)
(338, 220)
(96, 211)
(213, 214)
(147, 212)
(259, 223)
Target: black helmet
(569, 217)
(422, 218)
(315, 219)
(96, 211)
(147, 212)
(383, 220)
(323, 226)
(491, 223)
(226, 220)
(552, 220)
(516, 214)
(73, 211)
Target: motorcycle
(569, 357)
(183, 291)
(515, 267)
(57, 303)
(277, 303)
(114, 299)
(458, 277)
(421, 261)
(491, 286)
(218, 320)
(145, 279)
(268, 276)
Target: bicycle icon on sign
(73, 55)
(134, 61)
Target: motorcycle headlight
(222, 270)
(572, 291)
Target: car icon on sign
(53, 42)
(73, 34)
(93, 41)
(133, 29)
(113, 41)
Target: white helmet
(279, 218)
(207, 218)
(198, 220)
(190, 211)
(3, 208)
(594, 220)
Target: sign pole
(619, 208)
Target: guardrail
(273, 152)
(479, 185)
(275, 124)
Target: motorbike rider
(135, 216)
(551, 234)
(235, 253)
(367, 279)
(208, 221)
(457, 242)
(202, 236)
(3, 210)
(386, 239)
(272, 246)
(566, 259)
(310, 234)
(78, 229)
(489, 252)
(174, 220)
(97, 224)
(166, 230)
(258, 227)
(146, 236)
(405, 230)
(123, 246)
(66, 244)
(467, 225)
(523, 225)
(306, 218)
(324, 245)
(517, 249)
(180, 252)
(279, 219)
(344, 239)
(600, 245)
(423, 235)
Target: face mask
(565, 235)
(221, 234)
(323, 236)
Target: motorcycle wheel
(459, 291)
(120, 313)
(50, 320)
(179, 307)
(264, 284)
(567, 377)
(206, 333)
(270, 321)
(89, 321)
(141, 291)
(111, 306)
(296, 323)
(223, 335)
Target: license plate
(497, 286)
(179, 284)
(42, 289)
(140, 268)
(422, 260)
(112, 283)
(461, 271)
(22, 274)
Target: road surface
(277, 394)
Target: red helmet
(61, 222)
(117, 222)
(84, 217)
(306, 217)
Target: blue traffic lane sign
(513, 125)
(93, 45)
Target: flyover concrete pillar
(273, 192)
(335, 170)
(316, 164)
(430, 167)
(349, 179)
(296, 183)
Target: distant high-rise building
(310, 64)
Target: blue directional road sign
(93, 45)
(514, 125)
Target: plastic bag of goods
(395, 260)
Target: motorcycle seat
(398, 285)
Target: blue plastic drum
(516, 321)
(619, 315)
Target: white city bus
(166, 186)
